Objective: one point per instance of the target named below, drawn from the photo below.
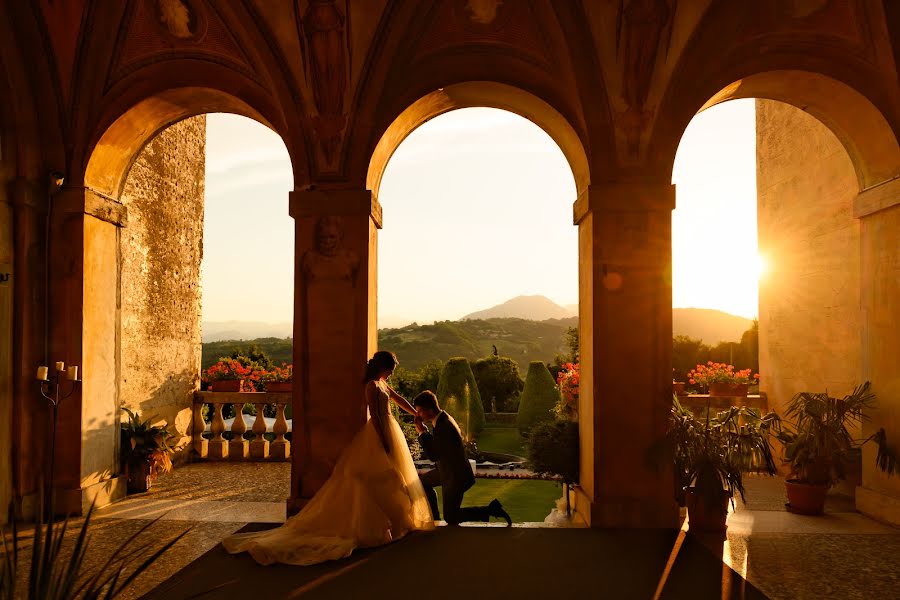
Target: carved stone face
(328, 236)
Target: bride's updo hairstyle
(381, 361)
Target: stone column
(878, 209)
(334, 327)
(29, 412)
(625, 259)
(84, 326)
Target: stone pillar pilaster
(625, 257)
(84, 327)
(334, 327)
(878, 209)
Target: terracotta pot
(227, 385)
(728, 389)
(279, 386)
(139, 476)
(678, 388)
(805, 498)
(705, 518)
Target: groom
(444, 446)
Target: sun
(761, 266)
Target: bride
(373, 497)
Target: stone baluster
(281, 448)
(259, 447)
(198, 426)
(218, 446)
(238, 447)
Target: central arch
(487, 94)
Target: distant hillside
(280, 350)
(524, 340)
(214, 331)
(535, 308)
(520, 339)
(710, 325)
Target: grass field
(501, 439)
(523, 499)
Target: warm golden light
(762, 267)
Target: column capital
(877, 198)
(321, 203)
(79, 199)
(624, 197)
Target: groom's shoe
(495, 509)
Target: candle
(60, 366)
(42, 373)
(72, 373)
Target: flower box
(728, 389)
(227, 385)
(279, 386)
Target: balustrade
(227, 439)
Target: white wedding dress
(372, 498)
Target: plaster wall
(809, 300)
(161, 249)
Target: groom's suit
(444, 445)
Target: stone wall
(161, 249)
(809, 317)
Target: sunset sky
(477, 210)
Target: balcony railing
(222, 439)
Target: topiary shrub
(538, 399)
(498, 382)
(458, 394)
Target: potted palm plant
(819, 446)
(145, 451)
(711, 455)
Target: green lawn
(501, 439)
(523, 499)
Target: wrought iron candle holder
(50, 387)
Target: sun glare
(761, 267)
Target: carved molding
(877, 198)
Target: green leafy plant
(712, 452)
(143, 442)
(553, 448)
(54, 576)
(499, 383)
(818, 443)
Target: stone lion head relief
(177, 17)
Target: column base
(218, 450)
(280, 450)
(238, 449)
(259, 448)
(295, 504)
(104, 493)
(878, 505)
(625, 513)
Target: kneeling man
(444, 445)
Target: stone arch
(481, 94)
(111, 157)
(862, 128)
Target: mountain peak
(534, 308)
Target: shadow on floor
(454, 562)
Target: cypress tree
(538, 398)
(458, 394)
